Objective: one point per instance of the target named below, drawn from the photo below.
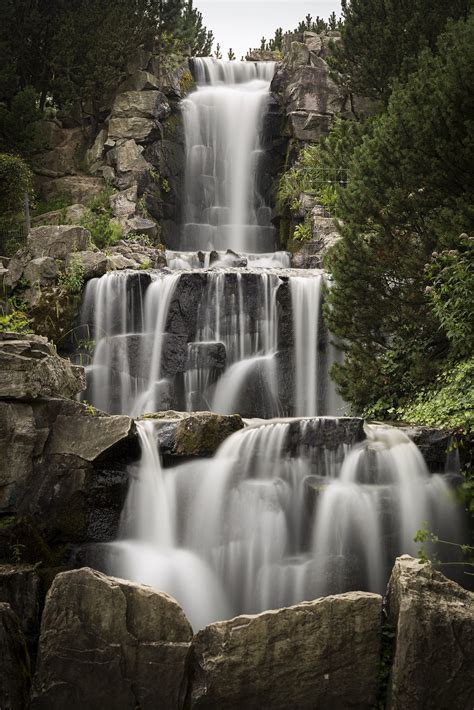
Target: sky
(240, 24)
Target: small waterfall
(223, 124)
(284, 512)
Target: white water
(262, 525)
(223, 123)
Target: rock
(124, 203)
(88, 437)
(319, 654)
(127, 157)
(64, 470)
(140, 225)
(206, 356)
(140, 104)
(312, 90)
(95, 152)
(134, 127)
(139, 81)
(298, 55)
(69, 215)
(309, 126)
(117, 262)
(111, 644)
(434, 620)
(14, 662)
(79, 188)
(61, 159)
(31, 368)
(196, 434)
(57, 242)
(313, 41)
(94, 263)
(434, 444)
(20, 587)
(43, 270)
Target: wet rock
(31, 368)
(109, 643)
(20, 587)
(14, 662)
(57, 242)
(434, 444)
(434, 620)
(196, 434)
(314, 655)
(206, 356)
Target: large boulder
(14, 662)
(93, 263)
(31, 368)
(107, 643)
(68, 215)
(434, 620)
(79, 188)
(196, 434)
(57, 241)
(319, 654)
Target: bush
(15, 185)
(98, 220)
(72, 280)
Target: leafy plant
(303, 232)
(98, 220)
(72, 279)
(14, 318)
(425, 536)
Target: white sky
(240, 24)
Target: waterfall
(223, 125)
(264, 524)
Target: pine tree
(410, 192)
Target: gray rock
(140, 104)
(434, 620)
(319, 654)
(140, 225)
(31, 368)
(43, 270)
(94, 263)
(107, 643)
(57, 242)
(69, 215)
(80, 188)
(309, 126)
(127, 157)
(133, 127)
(206, 356)
(298, 55)
(124, 203)
(14, 662)
(20, 587)
(313, 41)
(139, 81)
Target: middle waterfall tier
(231, 341)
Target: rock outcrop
(434, 621)
(30, 368)
(20, 587)
(320, 654)
(107, 643)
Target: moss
(202, 435)
(186, 82)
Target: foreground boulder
(14, 662)
(107, 643)
(434, 619)
(30, 367)
(320, 654)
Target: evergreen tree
(410, 192)
(382, 38)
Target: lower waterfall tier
(247, 339)
(286, 511)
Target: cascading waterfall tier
(230, 340)
(285, 511)
(224, 205)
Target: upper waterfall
(223, 122)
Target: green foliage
(59, 202)
(403, 201)
(72, 279)
(427, 551)
(98, 220)
(451, 293)
(303, 232)
(309, 24)
(381, 40)
(14, 318)
(18, 123)
(15, 188)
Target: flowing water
(265, 524)
(294, 506)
